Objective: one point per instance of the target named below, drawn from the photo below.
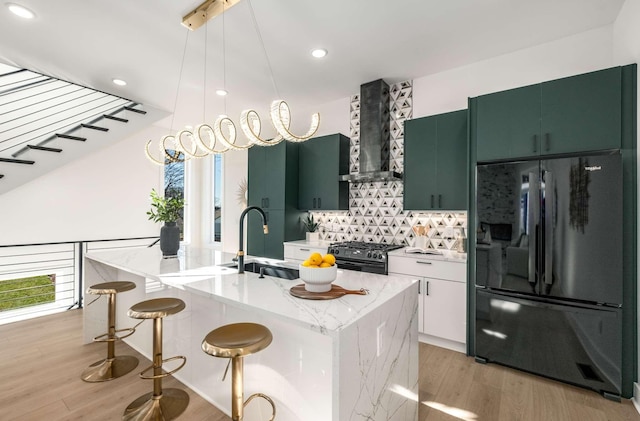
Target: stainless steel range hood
(374, 135)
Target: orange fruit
(314, 266)
(306, 263)
(315, 259)
(330, 259)
(325, 265)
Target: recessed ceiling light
(319, 52)
(119, 82)
(21, 11)
(221, 92)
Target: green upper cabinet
(435, 162)
(582, 113)
(273, 186)
(574, 114)
(420, 163)
(321, 162)
(268, 173)
(508, 123)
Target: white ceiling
(142, 41)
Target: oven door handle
(358, 264)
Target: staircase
(46, 123)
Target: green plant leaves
(165, 209)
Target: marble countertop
(446, 255)
(199, 271)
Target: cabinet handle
(547, 141)
(427, 287)
(319, 202)
(432, 201)
(422, 262)
(535, 143)
(440, 201)
(314, 203)
(262, 202)
(304, 249)
(267, 199)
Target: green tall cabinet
(574, 114)
(273, 186)
(435, 162)
(595, 111)
(322, 161)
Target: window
(216, 183)
(174, 184)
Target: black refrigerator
(549, 268)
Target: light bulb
(21, 11)
(319, 52)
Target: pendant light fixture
(222, 136)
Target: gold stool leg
(160, 404)
(237, 392)
(112, 367)
(237, 388)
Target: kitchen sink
(268, 270)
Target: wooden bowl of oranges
(318, 272)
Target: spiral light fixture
(221, 137)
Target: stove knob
(380, 256)
(369, 254)
(335, 251)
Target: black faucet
(265, 228)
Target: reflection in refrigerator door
(549, 280)
(576, 344)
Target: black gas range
(362, 256)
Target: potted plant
(169, 211)
(312, 226)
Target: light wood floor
(41, 361)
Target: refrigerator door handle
(549, 204)
(532, 217)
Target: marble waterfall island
(351, 358)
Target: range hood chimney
(374, 135)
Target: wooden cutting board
(336, 291)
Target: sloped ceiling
(89, 42)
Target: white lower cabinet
(299, 251)
(443, 297)
(444, 305)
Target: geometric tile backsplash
(375, 208)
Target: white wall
(102, 196)
(626, 49)
(448, 91)
(235, 170)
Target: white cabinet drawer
(428, 268)
(295, 252)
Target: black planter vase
(170, 239)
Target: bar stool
(234, 341)
(160, 404)
(111, 367)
